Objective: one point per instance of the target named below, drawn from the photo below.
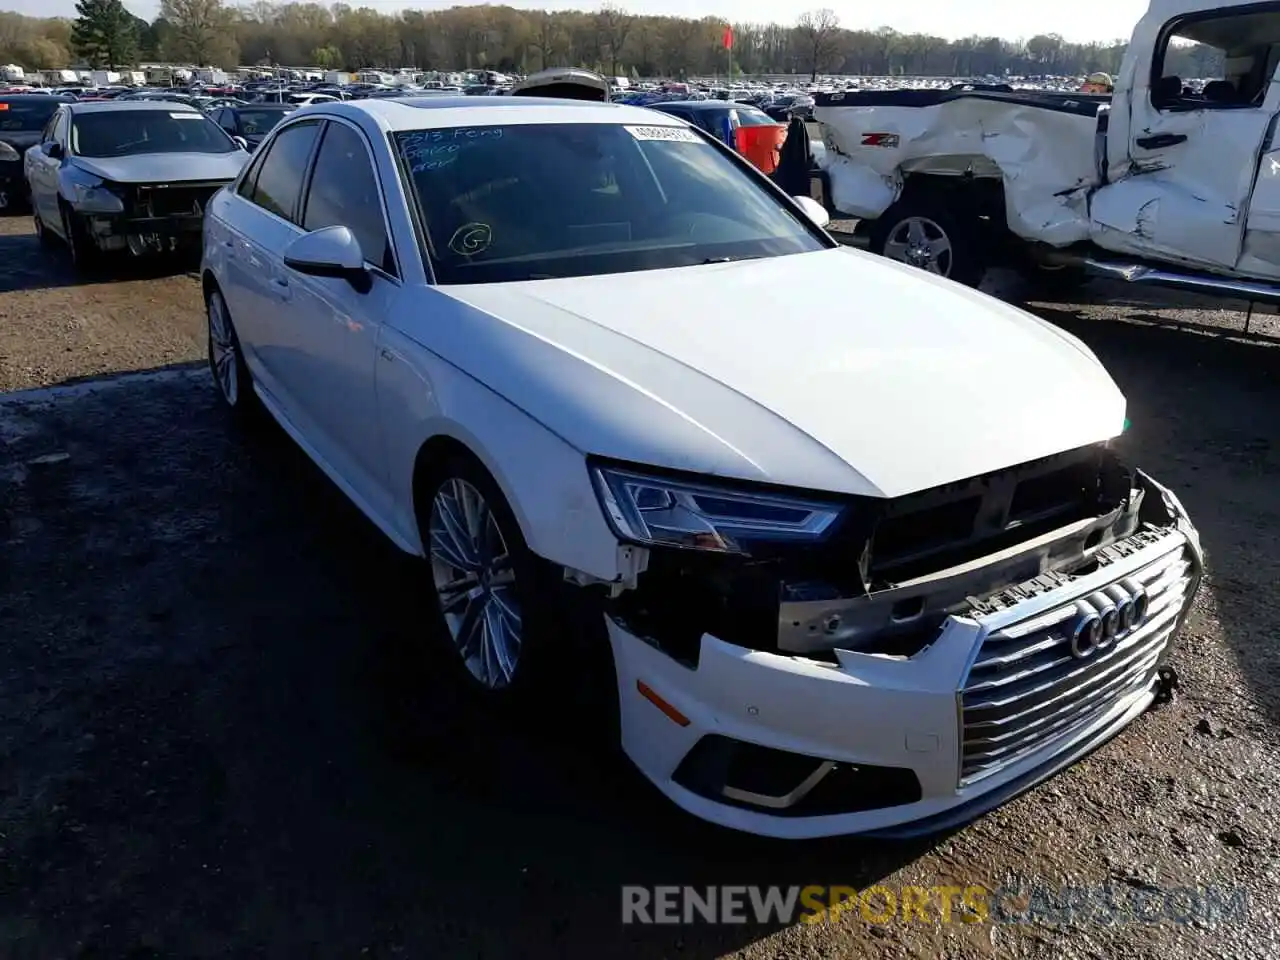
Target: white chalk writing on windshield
(432, 149)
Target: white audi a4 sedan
(847, 546)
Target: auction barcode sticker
(187, 116)
(678, 134)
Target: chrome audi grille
(1037, 680)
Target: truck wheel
(1054, 281)
(927, 236)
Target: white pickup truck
(1172, 180)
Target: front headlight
(680, 513)
(95, 198)
(8, 153)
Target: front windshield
(26, 116)
(533, 201)
(126, 133)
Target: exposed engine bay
(894, 570)
(157, 217)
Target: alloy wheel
(920, 242)
(224, 352)
(475, 580)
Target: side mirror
(241, 142)
(813, 210)
(52, 150)
(330, 252)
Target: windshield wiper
(710, 260)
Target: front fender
(544, 478)
(68, 175)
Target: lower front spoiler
(983, 804)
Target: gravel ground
(221, 732)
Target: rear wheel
(231, 375)
(928, 236)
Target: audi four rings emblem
(1106, 616)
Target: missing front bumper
(147, 235)
(794, 746)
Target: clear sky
(1074, 20)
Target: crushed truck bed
(1041, 145)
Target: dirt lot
(222, 732)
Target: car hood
(832, 370)
(165, 167)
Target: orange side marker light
(674, 715)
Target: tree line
(339, 36)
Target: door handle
(282, 287)
(1161, 140)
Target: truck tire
(1054, 281)
(923, 233)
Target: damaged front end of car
(143, 218)
(845, 664)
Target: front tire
(929, 236)
(1054, 282)
(43, 235)
(84, 253)
(524, 642)
(483, 580)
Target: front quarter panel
(68, 174)
(216, 239)
(421, 396)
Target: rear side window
(344, 192)
(26, 115)
(278, 184)
(250, 178)
(675, 112)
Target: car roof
(123, 106)
(420, 113)
(42, 97)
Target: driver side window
(344, 192)
(1220, 60)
